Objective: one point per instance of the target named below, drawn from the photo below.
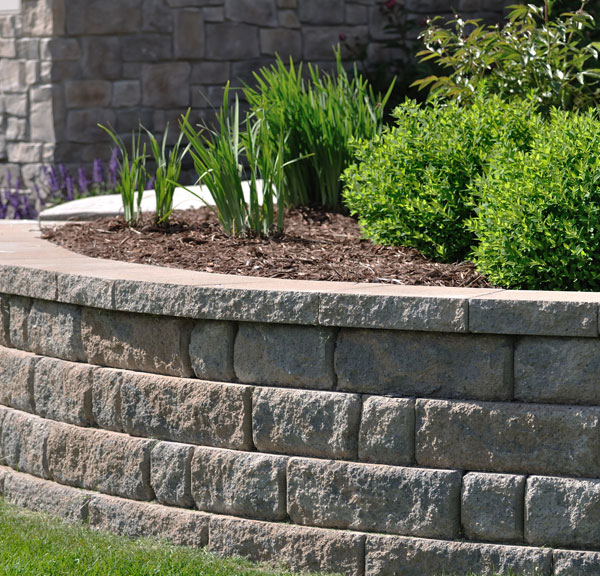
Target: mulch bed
(316, 245)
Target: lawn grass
(33, 544)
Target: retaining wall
(359, 429)
(66, 66)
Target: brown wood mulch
(316, 245)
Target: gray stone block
(189, 34)
(260, 12)
(101, 57)
(190, 411)
(410, 501)
(305, 422)
(23, 443)
(62, 391)
(504, 315)
(575, 563)
(19, 311)
(504, 437)
(387, 431)
(126, 93)
(161, 85)
(16, 379)
(293, 356)
(298, 547)
(107, 462)
(97, 17)
(106, 398)
(239, 483)
(403, 312)
(84, 93)
(4, 320)
(54, 329)
(170, 475)
(492, 507)
(281, 41)
(231, 41)
(85, 290)
(82, 124)
(26, 491)
(391, 556)
(137, 342)
(424, 364)
(562, 370)
(211, 350)
(217, 303)
(562, 512)
(139, 519)
(312, 12)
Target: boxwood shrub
(413, 186)
(538, 221)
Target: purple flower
(82, 181)
(70, 187)
(113, 168)
(63, 174)
(97, 172)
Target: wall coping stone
(33, 267)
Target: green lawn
(32, 544)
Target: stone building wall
(66, 66)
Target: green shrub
(317, 118)
(538, 223)
(534, 55)
(412, 186)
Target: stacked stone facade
(66, 66)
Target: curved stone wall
(359, 429)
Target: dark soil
(316, 245)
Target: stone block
(260, 12)
(147, 48)
(41, 123)
(24, 152)
(305, 422)
(60, 49)
(26, 491)
(170, 474)
(210, 73)
(97, 17)
(503, 437)
(126, 93)
(319, 41)
(102, 57)
(165, 85)
(298, 547)
(288, 19)
(106, 462)
(281, 41)
(94, 291)
(16, 129)
(43, 18)
(562, 512)
(188, 411)
(88, 93)
(424, 364)
(231, 41)
(504, 314)
(292, 356)
(189, 34)
(106, 398)
(4, 320)
(8, 48)
(390, 556)
(16, 378)
(16, 105)
(139, 519)
(62, 391)
(562, 370)
(211, 350)
(82, 125)
(54, 329)
(312, 12)
(492, 507)
(214, 14)
(13, 75)
(387, 431)
(23, 443)
(408, 501)
(239, 483)
(575, 563)
(137, 342)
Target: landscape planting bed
(360, 428)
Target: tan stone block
(4, 320)
(16, 379)
(506, 437)
(170, 474)
(211, 350)
(137, 342)
(191, 411)
(107, 462)
(106, 398)
(300, 548)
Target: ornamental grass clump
(413, 185)
(538, 215)
(534, 55)
(316, 117)
(219, 157)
